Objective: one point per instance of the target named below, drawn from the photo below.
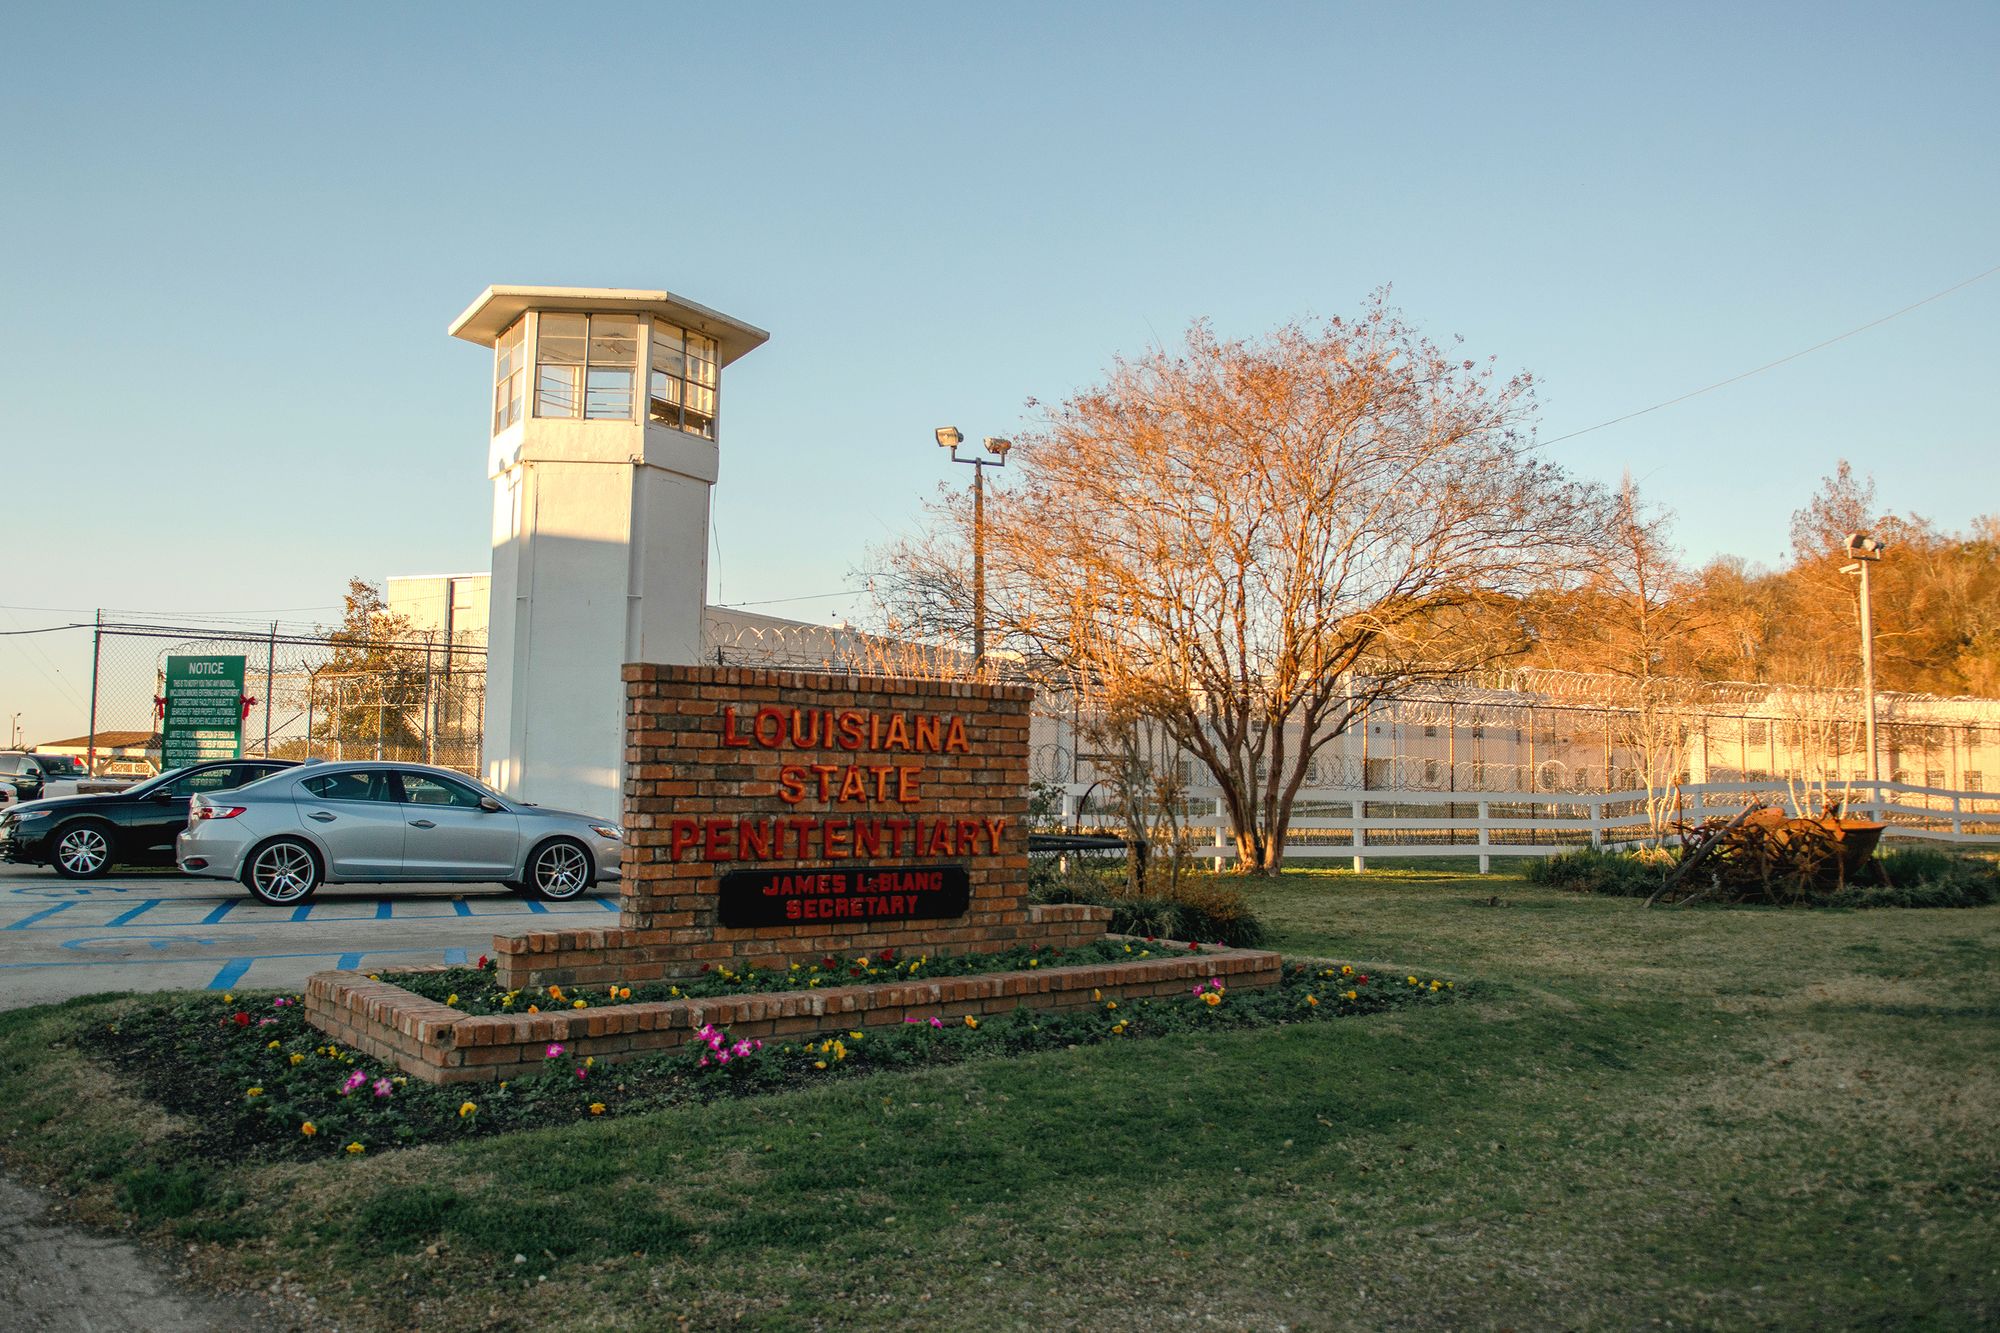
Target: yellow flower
(674, 991)
(1119, 1030)
(855, 1035)
(1111, 1004)
(1096, 994)
(466, 1108)
(253, 1092)
(534, 1008)
(971, 1022)
(555, 991)
(298, 1059)
(1437, 985)
(590, 1062)
(274, 1046)
(451, 998)
(624, 992)
(597, 1108)
(1034, 962)
(1346, 971)
(228, 997)
(1413, 981)
(308, 1129)
(1211, 998)
(1351, 995)
(579, 1004)
(1313, 1000)
(355, 1148)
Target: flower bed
(253, 1078)
(477, 990)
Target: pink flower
(354, 1080)
(936, 1022)
(581, 1072)
(383, 1087)
(555, 1049)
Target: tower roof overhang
(496, 309)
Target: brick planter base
(439, 1044)
(627, 956)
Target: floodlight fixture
(998, 446)
(949, 437)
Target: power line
(1772, 365)
(806, 597)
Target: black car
(82, 837)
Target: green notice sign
(204, 717)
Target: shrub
(1922, 877)
(1203, 906)
(1588, 870)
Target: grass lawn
(1709, 1117)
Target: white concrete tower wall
(600, 520)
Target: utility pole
(1863, 551)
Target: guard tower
(605, 415)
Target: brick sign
(775, 814)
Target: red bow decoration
(248, 701)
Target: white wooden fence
(1342, 822)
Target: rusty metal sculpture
(1764, 855)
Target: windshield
(159, 781)
(61, 766)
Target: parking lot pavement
(64, 937)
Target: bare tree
(1250, 542)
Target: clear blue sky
(233, 237)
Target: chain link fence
(422, 699)
(332, 695)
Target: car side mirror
(490, 806)
(163, 795)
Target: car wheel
(282, 873)
(82, 851)
(559, 870)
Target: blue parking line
(382, 910)
(534, 906)
(126, 918)
(44, 914)
(302, 912)
(455, 957)
(231, 973)
(461, 907)
(355, 958)
(349, 962)
(608, 904)
(224, 910)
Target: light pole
(949, 437)
(1863, 551)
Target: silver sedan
(370, 823)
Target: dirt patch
(55, 1278)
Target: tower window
(584, 365)
(681, 391)
(510, 376)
